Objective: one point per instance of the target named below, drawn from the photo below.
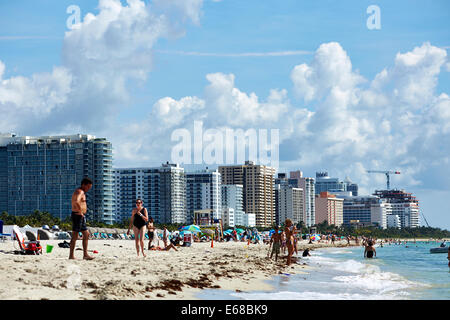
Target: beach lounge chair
(29, 247)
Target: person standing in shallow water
(370, 251)
(139, 219)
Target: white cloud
(101, 55)
(398, 119)
(395, 121)
(331, 68)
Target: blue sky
(33, 42)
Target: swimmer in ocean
(369, 251)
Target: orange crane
(387, 173)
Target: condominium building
(351, 187)
(232, 218)
(329, 208)
(163, 190)
(366, 210)
(326, 183)
(233, 196)
(258, 181)
(393, 221)
(403, 204)
(41, 173)
(289, 203)
(203, 191)
(309, 192)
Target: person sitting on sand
(165, 237)
(370, 251)
(275, 240)
(150, 231)
(167, 248)
(139, 218)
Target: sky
(344, 96)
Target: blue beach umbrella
(192, 228)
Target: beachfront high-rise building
(309, 193)
(326, 183)
(203, 191)
(289, 203)
(351, 187)
(366, 211)
(163, 190)
(329, 208)
(41, 173)
(233, 196)
(393, 221)
(258, 182)
(403, 204)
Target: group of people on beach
(140, 221)
(285, 240)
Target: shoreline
(117, 273)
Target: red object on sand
(95, 251)
(212, 243)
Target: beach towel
(64, 244)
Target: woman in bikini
(289, 230)
(139, 218)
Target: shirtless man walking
(79, 209)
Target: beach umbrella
(240, 230)
(192, 228)
(208, 232)
(315, 237)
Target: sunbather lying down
(158, 248)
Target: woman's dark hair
(151, 219)
(139, 199)
(85, 181)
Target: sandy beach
(117, 273)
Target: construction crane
(387, 173)
(425, 220)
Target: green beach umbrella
(192, 228)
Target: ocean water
(399, 272)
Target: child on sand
(275, 240)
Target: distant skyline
(344, 97)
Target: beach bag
(33, 248)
